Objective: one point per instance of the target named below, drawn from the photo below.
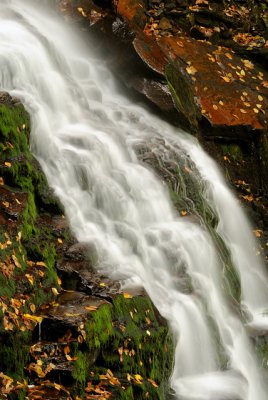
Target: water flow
(84, 133)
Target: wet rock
(155, 91)
(72, 308)
(57, 224)
(79, 251)
(8, 100)
(133, 11)
(12, 203)
(150, 53)
(83, 10)
(79, 275)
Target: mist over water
(84, 134)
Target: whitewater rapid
(84, 133)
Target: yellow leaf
(258, 232)
(72, 315)
(248, 198)
(127, 296)
(7, 325)
(32, 308)
(103, 377)
(16, 261)
(55, 291)
(18, 237)
(8, 164)
(81, 11)
(41, 264)
(34, 318)
(60, 241)
(191, 70)
(30, 278)
(152, 382)
(5, 203)
(91, 308)
(138, 379)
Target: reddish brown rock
(133, 11)
(82, 10)
(211, 82)
(226, 90)
(150, 53)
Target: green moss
(7, 287)
(233, 150)
(180, 88)
(125, 394)
(131, 339)
(99, 328)
(14, 124)
(14, 353)
(262, 351)
(36, 244)
(80, 371)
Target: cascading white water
(84, 133)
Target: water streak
(84, 133)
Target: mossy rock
(25, 284)
(133, 342)
(181, 89)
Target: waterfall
(85, 134)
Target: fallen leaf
(127, 296)
(34, 318)
(138, 379)
(152, 382)
(191, 70)
(30, 278)
(258, 232)
(55, 291)
(225, 78)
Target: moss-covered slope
(57, 343)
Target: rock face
(65, 330)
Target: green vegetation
(129, 339)
(24, 286)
